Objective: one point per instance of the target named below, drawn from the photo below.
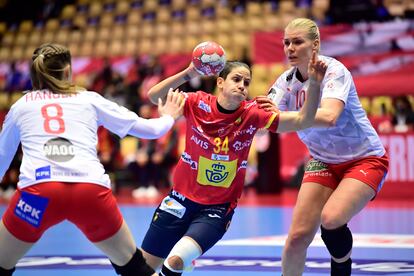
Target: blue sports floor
(383, 244)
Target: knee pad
(6, 272)
(187, 249)
(135, 266)
(338, 241)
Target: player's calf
(167, 270)
(6, 272)
(136, 266)
(339, 244)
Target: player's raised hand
(316, 68)
(174, 104)
(191, 72)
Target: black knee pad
(136, 266)
(6, 272)
(338, 241)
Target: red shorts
(91, 207)
(371, 170)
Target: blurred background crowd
(123, 47)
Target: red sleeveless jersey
(212, 167)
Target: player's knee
(176, 263)
(6, 272)
(338, 241)
(182, 255)
(136, 266)
(299, 239)
(332, 220)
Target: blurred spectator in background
(382, 121)
(403, 117)
(14, 79)
(51, 8)
(36, 10)
(351, 11)
(144, 71)
(151, 72)
(116, 90)
(109, 153)
(153, 160)
(9, 183)
(133, 80)
(381, 11)
(203, 83)
(103, 78)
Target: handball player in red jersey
(209, 177)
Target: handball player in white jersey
(61, 177)
(348, 164)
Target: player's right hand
(191, 72)
(316, 68)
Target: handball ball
(208, 58)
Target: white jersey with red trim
(58, 133)
(352, 137)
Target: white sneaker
(152, 192)
(139, 192)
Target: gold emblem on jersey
(216, 173)
(155, 217)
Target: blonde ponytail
(49, 63)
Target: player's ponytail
(48, 69)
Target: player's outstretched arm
(9, 141)
(161, 89)
(157, 127)
(293, 121)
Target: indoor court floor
(383, 242)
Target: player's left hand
(266, 103)
(174, 104)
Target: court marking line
(222, 263)
(360, 240)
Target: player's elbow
(330, 120)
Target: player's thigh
(169, 223)
(347, 200)
(210, 225)
(11, 248)
(94, 211)
(309, 204)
